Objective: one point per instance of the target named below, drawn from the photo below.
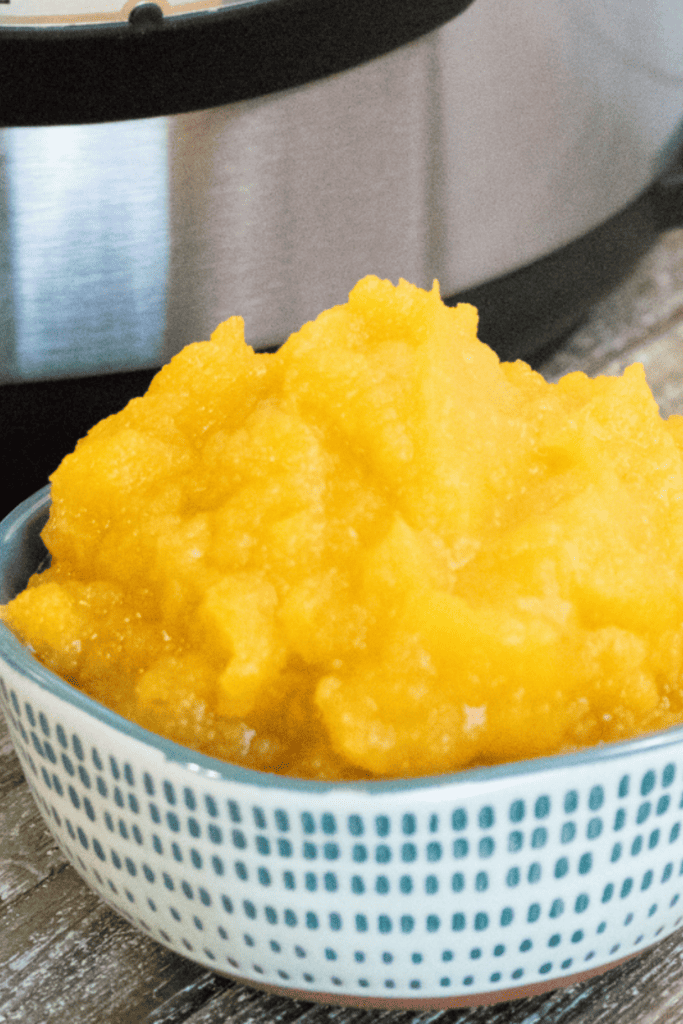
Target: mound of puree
(378, 552)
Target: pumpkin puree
(377, 552)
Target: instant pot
(166, 165)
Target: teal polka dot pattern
(320, 893)
(480, 883)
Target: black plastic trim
(152, 65)
(529, 312)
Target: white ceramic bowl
(475, 887)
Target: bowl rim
(17, 527)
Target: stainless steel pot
(469, 152)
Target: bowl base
(503, 995)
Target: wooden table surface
(66, 958)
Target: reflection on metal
(84, 245)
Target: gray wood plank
(648, 303)
(64, 955)
(189, 1000)
(238, 1004)
(28, 853)
(10, 770)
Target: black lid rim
(151, 66)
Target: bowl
(481, 886)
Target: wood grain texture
(28, 853)
(649, 304)
(63, 951)
(11, 774)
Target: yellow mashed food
(377, 552)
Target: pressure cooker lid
(79, 61)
